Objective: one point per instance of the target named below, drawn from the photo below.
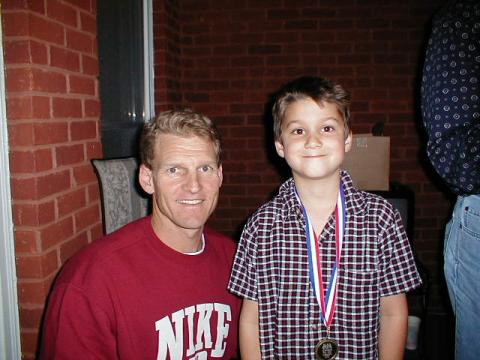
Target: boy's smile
(313, 139)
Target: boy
(323, 268)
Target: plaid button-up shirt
(271, 267)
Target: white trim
(148, 70)
(9, 322)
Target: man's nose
(192, 183)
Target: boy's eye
(328, 128)
(298, 131)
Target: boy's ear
(145, 179)
(279, 148)
(348, 141)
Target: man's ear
(279, 147)
(348, 141)
(145, 179)
(220, 175)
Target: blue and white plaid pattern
(271, 267)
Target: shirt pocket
(358, 301)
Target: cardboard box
(368, 162)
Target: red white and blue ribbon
(326, 299)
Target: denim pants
(462, 272)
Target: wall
(53, 113)
(234, 54)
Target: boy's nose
(313, 140)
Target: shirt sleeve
(75, 326)
(450, 96)
(399, 273)
(243, 279)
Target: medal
(327, 348)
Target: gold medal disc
(326, 349)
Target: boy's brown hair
(310, 87)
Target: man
(451, 115)
(155, 289)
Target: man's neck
(182, 240)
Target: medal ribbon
(326, 300)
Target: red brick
(84, 174)
(16, 52)
(22, 162)
(56, 233)
(82, 130)
(37, 267)
(14, 5)
(43, 29)
(37, 6)
(38, 53)
(33, 291)
(65, 59)
(88, 23)
(69, 154)
(15, 24)
(61, 12)
(94, 150)
(30, 318)
(19, 108)
(20, 79)
(89, 65)
(41, 107)
(28, 214)
(86, 217)
(26, 241)
(83, 4)
(82, 85)
(24, 188)
(71, 202)
(30, 161)
(50, 133)
(69, 248)
(80, 41)
(43, 160)
(66, 108)
(53, 183)
(92, 108)
(29, 343)
(48, 81)
(96, 232)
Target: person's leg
(462, 270)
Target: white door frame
(9, 320)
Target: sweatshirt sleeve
(76, 326)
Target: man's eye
(172, 170)
(206, 168)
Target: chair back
(122, 198)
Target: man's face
(185, 180)
(313, 140)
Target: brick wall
(166, 37)
(53, 122)
(233, 54)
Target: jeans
(462, 272)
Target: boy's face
(313, 140)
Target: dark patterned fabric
(450, 95)
(271, 267)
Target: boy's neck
(319, 198)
